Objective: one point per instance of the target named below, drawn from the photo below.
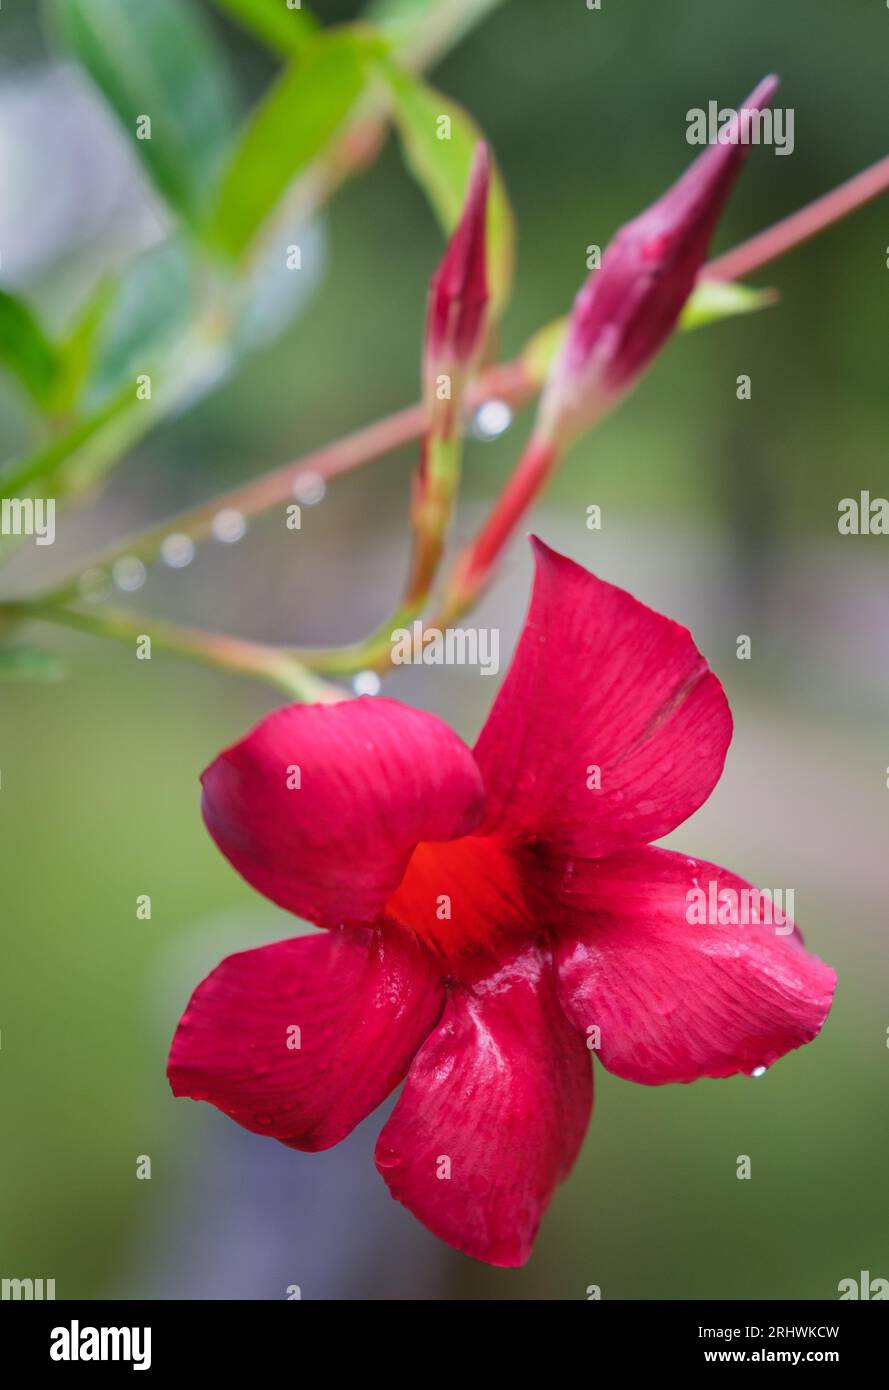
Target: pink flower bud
(458, 294)
(629, 307)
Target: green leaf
(78, 456)
(156, 59)
(540, 351)
(441, 167)
(151, 308)
(288, 31)
(421, 29)
(77, 350)
(21, 663)
(26, 350)
(270, 297)
(712, 300)
(288, 130)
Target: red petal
(502, 1092)
(362, 1003)
(375, 778)
(599, 680)
(675, 1000)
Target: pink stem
(800, 226)
(473, 569)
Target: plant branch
(509, 382)
(514, 382)
(266, 662)
(800, 226)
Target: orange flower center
(461, 895)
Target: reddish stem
(800, 226)
(474, 567)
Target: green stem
(372, 653)
(270, 663)
(435, 488)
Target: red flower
(493, 916)
(629, 307)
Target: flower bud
(457, 316)
(629, 307)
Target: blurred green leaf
(156, 58)
(26, 350)
(539, 352)
(270, 297)
(151, 307)
(21, 663)
(77, 350)
(287, 30)
(441, 163)
(288, 130)
(423, 29)
(712, 300)
(76, 456)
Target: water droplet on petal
(759, 1071)
(229, 525)
(309, 489)
(128, 573)
(366, 683)
(177, 550)
(491, 420)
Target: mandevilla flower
(492, 917)
(629, 307)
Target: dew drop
(177, 550)
(759, 1071)
(491, 420)
(366, 683)
(128, 573)
(229, 525)
(309, 489)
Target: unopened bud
(457, 317)
(627, 309)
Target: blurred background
(719, 512)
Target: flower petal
(676, 999)
(303, 1039)
(600, 682)
(320, 806)
(492, 1114)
